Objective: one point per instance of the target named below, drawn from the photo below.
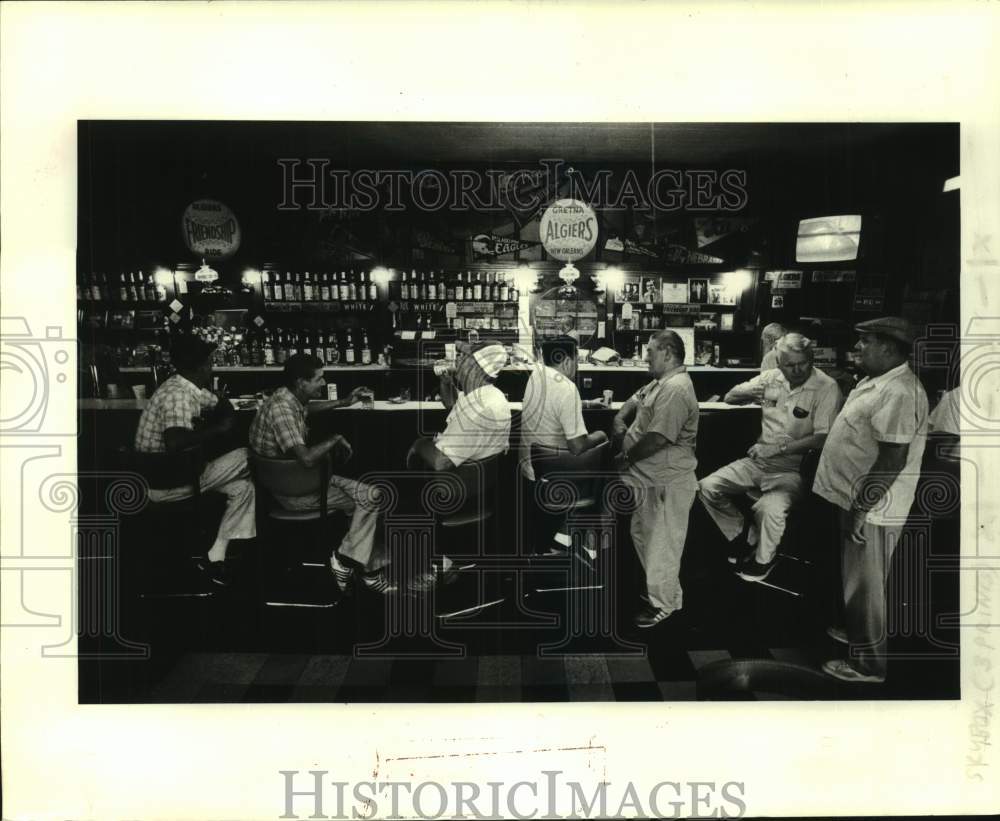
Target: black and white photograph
(399, 424)
(322, 459)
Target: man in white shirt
(869, 469)
(798, 406)
(552, 413)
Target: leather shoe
(650, 616)
(217, 572)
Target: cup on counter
(608, 396)
(404, 395)
(113, 391)
(368, 400)
(139, 391)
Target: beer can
(331, 390)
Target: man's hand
(857, 532)
(762, 451)
(596, 403)
(341, 448)
(358, 394)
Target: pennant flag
(424, 239)
(712, 229)
(633, 247)
(681, 255)
(492, 245)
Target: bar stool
(286, 477)
(167, 524)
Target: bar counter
(382, 436)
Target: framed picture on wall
(675, 293)
(718, 295)
(698, 291)
(650, 290)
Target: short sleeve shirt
(669, 407)
(788, 413)
(551, 415)
(177, 403)
(279, 425)
(478, 426)
(769, 361)
(888, 408)
(946, 417)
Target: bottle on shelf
(372, 289)
(277, 289)
(345, 293)
(477, 290)
(267, 286)
(432, 288)
(268, 350)
(307, 288)
(324, 288)
(349, 357)
(123, 289)
(332, 356)
(352, 287)
(257, 351)
(299, 291)
(305, 345)
(513, 294)
(149, 289)
(459, 289)
(404, 287)
(289, 287)
(450, 290)
(366, 352)
(504, 289)
(134, 288)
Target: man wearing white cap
(478, 424)
(869, 469)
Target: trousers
(779, 492)
(363, 543)
(865, 569)
(659, 529)
(229, 476)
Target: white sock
(218, 551)
(563, 539)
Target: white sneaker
(838, 668)
(341, 573)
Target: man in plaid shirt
(280, 430)
(173, 420)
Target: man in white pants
(799, 403)
(656, 430)
(178, 417)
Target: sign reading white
(568, 229)
(210, 229)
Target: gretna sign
(568, 229)
(210, 229)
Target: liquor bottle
(150, 290)
(432, 293)
(299, 291)
(404, 287)
(352, 287)
(277, 289)
(268, 350)
(123, 290)
(332, 354)
(349, 357)
(459, 289)
(319, 349)
(450, 291)
(513, 294)
(334, 289)
(305, 345)
(372, 289)
(268, 287)
(366, 353)
(477, 290)
(257, 351)
(324, 288)
(289, 287)
(504, 289)
(345, 293)
(494, 289)
(134, 288)
(307, 288)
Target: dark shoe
(740, 552)
(378, 582)
(837, 634)
(650, 616)
(217, 572)
(754, 571)
(838, 668)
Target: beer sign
(210, 229)
(568, 229)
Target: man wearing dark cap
(176, 419)
(869, 469)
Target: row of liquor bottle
(239, 347)
(431, 286)
(129, 287)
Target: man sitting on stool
(174, 420)
(478, 424)
(799, 403)
(552, 413)
(280, 430)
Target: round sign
(568, 229)
(210, 229)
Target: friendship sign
(210, 229)
(491, 245)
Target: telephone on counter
(605, 355)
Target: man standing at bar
(799, 404)
(769, 337)
(174, 420)
(869, 469)
(657, 429)
(280, 431)
(552, 414)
